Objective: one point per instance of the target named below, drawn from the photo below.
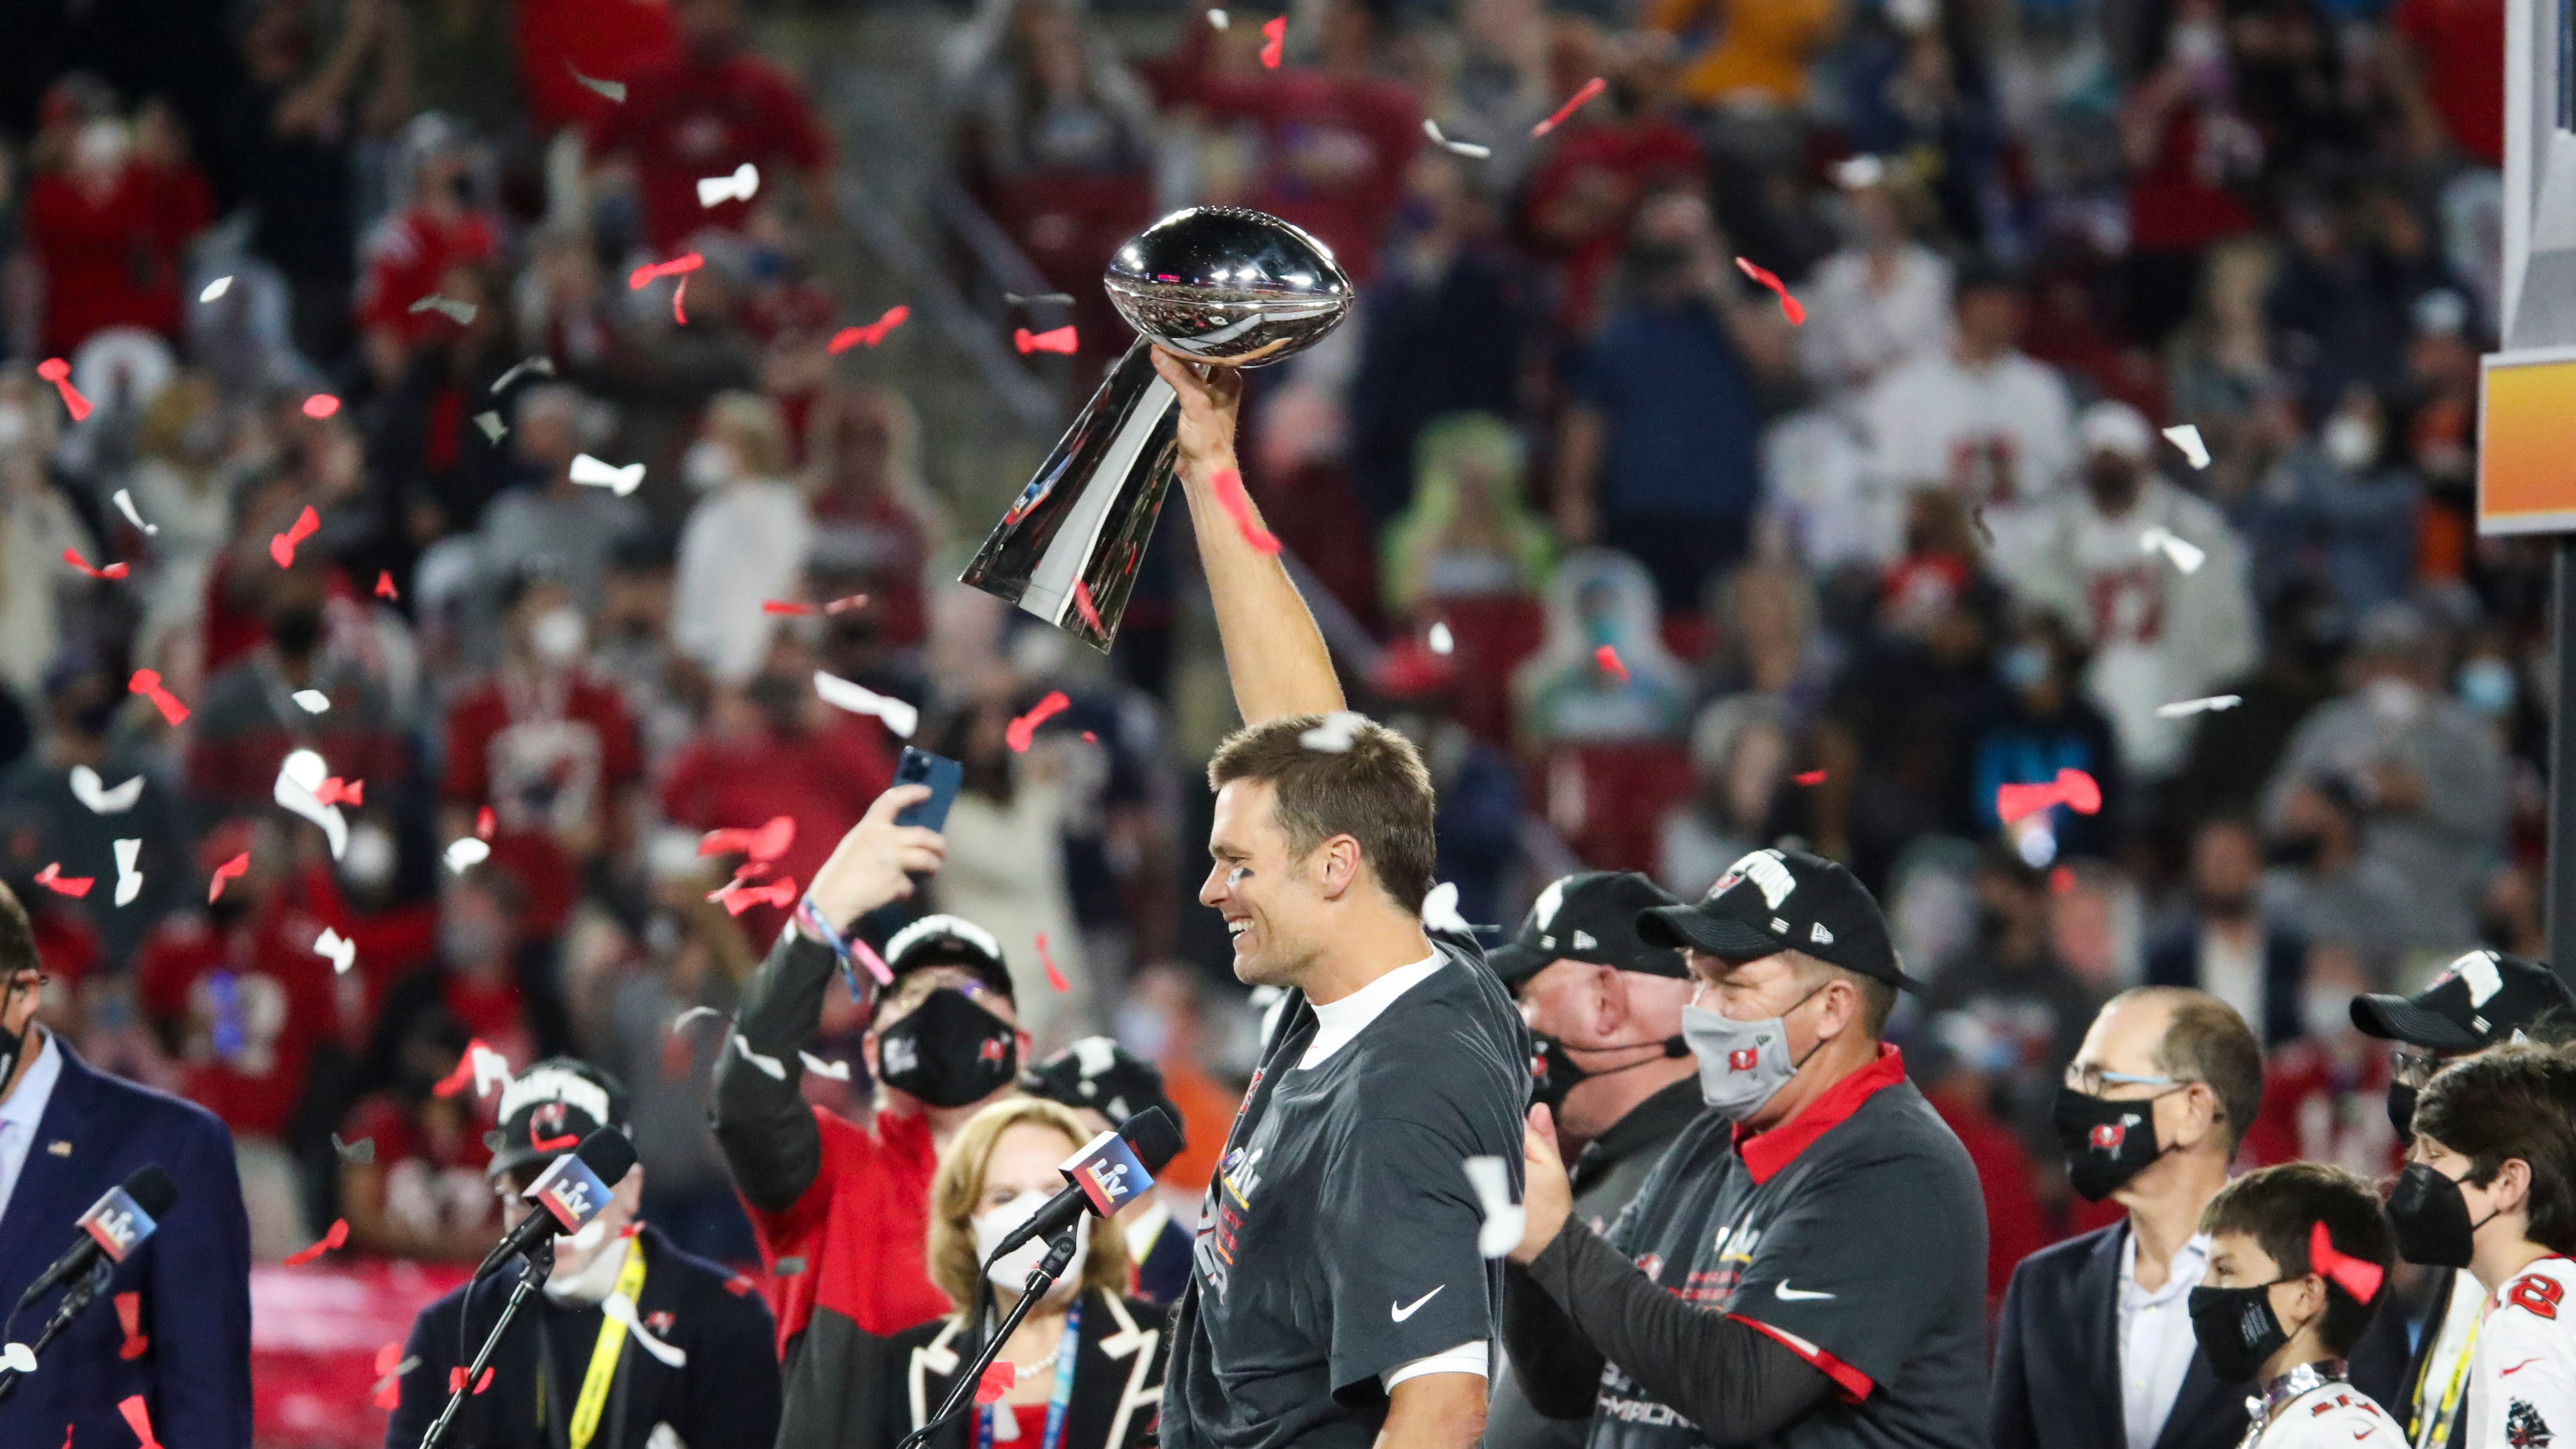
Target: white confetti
(19, 1358)
(612, 90)
(771, 1065)
(2182, 707)
(716, 190)
(216, 288)
(465, 852)
(407, 1365)
(837, 1071)
(2187, 556)
(1431, 128)
(621, 1309)
(343, 953)
(840, 693)
(314, 701)
(460, 313)
(1440, 639)
(491, 1070)
(88, 789)
(492, 426)
(593, 473)
(1440, 909)
(1217, 18)
(302, 774)
(129, 881)
(1335, 734)
(544, 366)
(681, 1021)
(125, 505)
(2187, 437)
(1505, 1220)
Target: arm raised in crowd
(762, 1124)
(1273, 652)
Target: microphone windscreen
(151, 1189)
(1155, 1137)
(607, 1152)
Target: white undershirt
(1337, 1023)
(2156, 1341)
(24, 1112)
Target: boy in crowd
(2298, 1256)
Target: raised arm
(1273, 652)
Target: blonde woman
(745, 540)
(1087, 1362)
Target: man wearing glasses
(2095, 1348)
(2481, 1000)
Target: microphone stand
(75, 1298)
(961, 1396)
(540, 1262)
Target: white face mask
(1012, 1272)
(709, 465)
(2351, 441)
(559, 635)
(2394, 701)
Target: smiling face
(1271, 899)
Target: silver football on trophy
(1219, 284)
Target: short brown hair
(2278, 1207)
(1377, 792)
(1877, 997)
(2206, 1041)
(954, 1264)
(17, 938)
(2508, 1102)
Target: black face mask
(296, 631)
(2430, 1217)
(949, 1052)
(2106, 1142)
(2401, 1110)
(2236, 1329)
(2296, 852)
(1554, 1073)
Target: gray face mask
(1742, 1064)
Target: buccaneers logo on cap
(1742, 1059)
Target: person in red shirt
(411, 252)
(2187, 150)
(417, 1189)
(550, 749)
(108, 229)
(704, 115)
(2454, 85)
(1584, 190)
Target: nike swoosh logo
(1788, 1294)
(1406, 1311)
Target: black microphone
(115, 1225)
(571, 1192)
(1111, 1171)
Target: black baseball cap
(2480, 999)
(1589, 916)
(950, 941)
(547, 1110)
(1096, 1072)
(1784, 900)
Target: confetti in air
(494, 430)
(73, 557)
(1055, 978)
(1440, 909)
(147, 682)
(129, 1316)
(385, 585)
(465, 852)
(1274, 42)
(2187, 437)
(1238, 506)
(1440, 639)
(739, 895)
(542, 366)
(869, 335)
(1789, 306)
(129, 881)
(1036, 299)
(1809, 777)
(312, 701)
(998, 1378)
(766, 842)
(138, 1417)
(59, 373)
(336, 791)
(1218, 19)
(835, 1071)
(1336, 734)
(361, 1152)
(592, 473)
(484, 823)
(125, 505)
(2061, 881)
(2074, 789)
(1023, 731)
(321, 405)
(607, 89)
(789, 607)
(679, 303)
(53, 879)
(1608, 659)
(776, 1069)
(390, 1368)
(281, 546)
(717, 190)
(337, 1237)
(216, 288)
(899, 717)
(300, 777)
(1058, 339)
(338, 949)
(2181, 707)
(621, 1309)
(1504, 1219)
(460, 313)
(1573, 103)
(2186, 556)
(480, 1068)
(19, 1357)
(678, 266)
(92, 792)
(1431, 128)
(456, 1378)
(232, 869)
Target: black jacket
(1117, 1379)
(2057, 1359)
(2173, 959)
(724, 1397)
(2392, 1370)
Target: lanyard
(2451, 1393)
(604, 1354)
(1068, 1348)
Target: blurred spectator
(1740, 753)
(2345, 298)
(1164, 1020)
(2153, 578)
(461, 63)
(2225, 945)
(1467, 533)
(1601, 165)
(875, 522)
(745, 542)
(1978, 419)
(549, 521)
(417, 1189)
(2451, 75)
(1005, 869)
(1952, 1062)
(109, 228)
(1658, 454)
(2321, 884)
(490, 981)
(36, 524)
(1753, 56)
(2030, 1008)
(2187, 150)
(249, 719)
(2348, 507)
(2038, 724)
(2325, 1095)
(1104, 1085)
(1884, 299)
(2219, 362)
(1478, 793)
(411, 254)
(37, 795)
(2426, 776)
(1600, 600)
(1763, 637)
(180, 481)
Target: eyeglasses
(2091, 1080)
(2413, 1066)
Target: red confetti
(336, 791)
(739, 896)
(680, 295)
(1059, 339)
(1238, 506)
(1089, 738)
(147, 682)
(389, 1386)
(53, 879)
(229, 870)
(2074, 789)
(385, 585)
(870, 335)
(483, 823)
(1810, 777)
(1608, 659)
(1023, 731)
(463, 1077)
(786, 606)
(997, 1381)
(388, 1358)
(1055, 978)
(321, 405)
(281, 547)
(1789, 306)
(456, 1378)
(643, 276)
(129, 1316)
(138, 1417)
(73, 557)
(1082, 602)
(59, 373)
(2061, 881)
(338, 1236)
(766, 843)
(1574, 103)
(1274, 42)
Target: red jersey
(249, 1006)
(406, 256)
(547, 755)
(697, 118)
(608, 40)
(112, 259)
(2462, 45)
(1338, 150)
(824, 781)
(431, 1164)
(857, 1231)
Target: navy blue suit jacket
(2057, 1359)
(2173, 959)
(192, 1274)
